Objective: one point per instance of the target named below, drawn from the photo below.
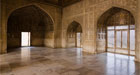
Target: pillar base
(88, 52)
(137, 60)
(3, 52)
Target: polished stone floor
(71, 61)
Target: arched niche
(30, 19)
(74, 35)
(115, 17)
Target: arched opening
(116, 32)
(74, 35)
(32, 21)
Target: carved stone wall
(72, 31)
(138, 33)
(28, 19)
(112, 17)
(10, 6)
(87, 13)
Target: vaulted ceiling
(61, 3)
(68, 2)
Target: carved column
(89, 43)
(138, 33)
(3, 34)
(0, 28)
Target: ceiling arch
(61, 3)
(74, 27)
(119, 13)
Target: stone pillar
(3, 34)
(138, 33)
(58, 29)
(0, 29)
(89, 43)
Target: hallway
(70, 61)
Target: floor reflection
(120, 64)
(79, 56)
(25, 54)
(71, 61)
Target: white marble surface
(71, 61)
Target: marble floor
(71, 61)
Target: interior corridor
(65, 61)
(69, 37)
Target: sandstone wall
(87, 13)
(8, 6)
(138, 33)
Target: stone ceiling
(61, 3)
(69, 2)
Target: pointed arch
(114, 17)
(74, 27)
(74, 34)
(29, 19)
(112, 11)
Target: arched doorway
(74, 35)
(116, 32)
(32, 21)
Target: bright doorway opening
(74, 35)
(78, 40)
(25, 36)
(121, 39)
